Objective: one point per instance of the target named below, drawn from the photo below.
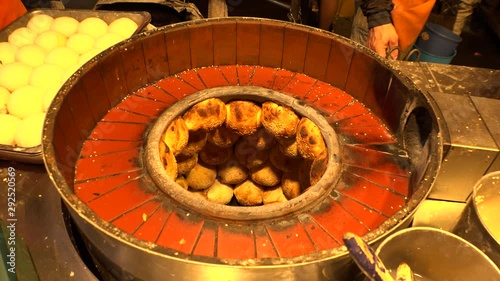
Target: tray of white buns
(38, 53)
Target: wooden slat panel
(271, 44)
(294, 49)
(178, 50)
(224, 36)
(155, 50)
(247, 42)
(202, 45)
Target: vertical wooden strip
(156, 59)
(318, 51)
(339, 62)
(376, 91)
(114, 78)
(294, 49)
(80, 107)
(271, 44)
(247, 42)
(224, 37)
(360, 73)
(96, 93)
(134, 67)
(395, 104)
(201, 45)
(178, 50)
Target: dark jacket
(377, 12)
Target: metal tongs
(391, 50)
(370, 264)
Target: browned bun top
(168, 160)
(205, 115)
(223, 136)
(318, 167)
(215, 155)
(196, 142)
(176, 135)
(310, 141)
(279, 120)
(243, 117)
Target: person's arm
(327, 11)
(382, 34)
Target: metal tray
(142, 18)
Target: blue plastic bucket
(426, 57)
(438, 40)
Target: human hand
(382, 37)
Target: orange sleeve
(10, 10)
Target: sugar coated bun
(279, 120)
(291, 185)
(15, 75)
(32, 55)
(243, 117)
(107, 40)
(318, 167)
(93, 26)
(29, 131)
(4, 98)
(50, 39)
(168, 160)
(25, 101)
(22, 36)
(47, 98)
(7, 52)
(220, 193)
(274, 195)
(65, 25)
(266, 174)
(249, 193)
(202, 176)
(310, 141)
(46, 76)
(232, 172)
(80, 42)
(40, 23)
(176, 135)
(205, 115)
(62, 56)
(124, 27)
(9, 128)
